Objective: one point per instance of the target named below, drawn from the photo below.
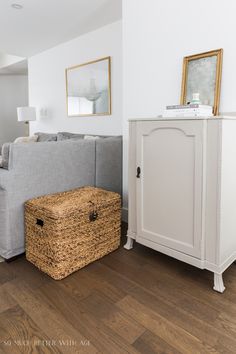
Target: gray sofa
(42, 168)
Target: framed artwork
(88, 88)
(202, 75)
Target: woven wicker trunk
(66, 231)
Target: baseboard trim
(125, 215)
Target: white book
(187, 114)
(189, 106)
(186, 118)
(198, 110)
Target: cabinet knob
(138, 172)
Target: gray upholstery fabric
(109, 163)
(92, 137)
(45, 168)
(43, 137)
(66, 136)
(5, 155)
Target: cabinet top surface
(160, 118)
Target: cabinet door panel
(169, 190)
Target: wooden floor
(137, 301)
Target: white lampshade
(26, 114)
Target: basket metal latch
(93, 214)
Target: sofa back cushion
(26, 139)
(92, 137)
(42, 137)
(66, 136)
(75, 136)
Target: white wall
(6, 59)
(157, 34)
(47, 87)
(13, 94)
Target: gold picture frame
(202, 74)
(88, 88)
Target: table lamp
(26, 114)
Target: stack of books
(188, 111)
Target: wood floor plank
(152, 344)
(24, 332)
(169, 332)
(177, 278)
(4, 335)
(77, 284)
(196, 281)
(118, 280)
(211, 302)
(57, 327)
(207, 331)
(107, 341)
(106, 283)
(24, 270)
(173, 288)
(124, 326)
(6, 273)
(137, 301)
(9, 347)
(104, 310)
(6, 300)
(81, 284)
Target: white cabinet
(182, 190)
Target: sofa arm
(5, 150)
(109, 164)
(6, 178)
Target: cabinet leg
(129, 243)
(218, 283)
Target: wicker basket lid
(66, 203)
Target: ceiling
(43, 24)
(20, 68)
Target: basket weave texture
(66, 231)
